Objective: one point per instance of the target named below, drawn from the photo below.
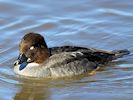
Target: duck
(37, 60)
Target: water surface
(103, 24)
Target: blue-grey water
(102, 24)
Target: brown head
(33, 48)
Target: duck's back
(94, 55)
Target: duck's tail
(120, 53)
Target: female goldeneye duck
(37, 60)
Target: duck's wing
(78, 57)
(70, 63)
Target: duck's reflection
(33, 91)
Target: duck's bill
(22, 61)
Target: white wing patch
(75, 54)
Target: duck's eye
(32, 47)
(42, 46)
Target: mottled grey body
(61, 65)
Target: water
(103, 24)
